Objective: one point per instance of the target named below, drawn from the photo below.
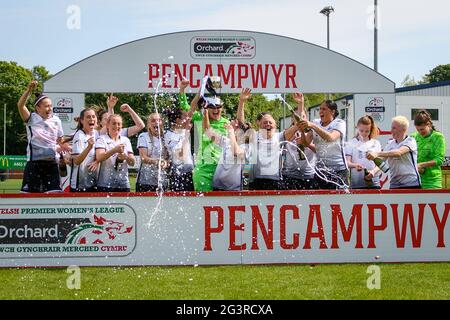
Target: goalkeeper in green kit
(431, 151)
(208, 153)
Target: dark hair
(38, 98)
(100, 115)
(245, 126)
(173, 114)
(332, 106)
(261, 115)
(80, 125)
(423, 117)
(368, 120)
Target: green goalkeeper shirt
(431, 147)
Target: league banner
(224, 228)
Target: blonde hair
(114, 116)
(401, 120)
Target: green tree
(14, 79)
(439, 73)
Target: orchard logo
(101, 231)
(64, 103)
(223, 47)
(64, 109)
(376, 108)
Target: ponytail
(332, 106)
(422, 118)
(368, 120)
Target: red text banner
(224, 228)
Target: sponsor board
(13, 162)
(375, 107)
(64, 109)
(38, 230)
(227, 228)
(223, 47)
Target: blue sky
(414, 36)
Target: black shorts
(415, 187)
(368, 188)
(41, 176)
(264, 184)
(108, 189)
(91, 189)
(145, 188)
(181, 182)
(289, 183)
(336, 180)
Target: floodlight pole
(327, 11)
(328, 31)
(375, 36)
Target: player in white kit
(114, 152)
(83, 177)
(45, 142)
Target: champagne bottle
(62, 166)
(382, 164)
(369, 183)
(300, 147)
(301, 152)
(116, 164)
(297, 117)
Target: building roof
(424, 86)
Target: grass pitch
(344, 281)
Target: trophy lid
(214, 102)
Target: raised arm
(235, 149)
(111, 101)
(182, 99)
(205, 123)
(300, 99)
(21, 104)
(138, 123)
(243, 97)
(194, 103)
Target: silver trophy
(212, 84)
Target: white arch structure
(266, 63)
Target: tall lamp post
(327, 11)
(375, 36)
